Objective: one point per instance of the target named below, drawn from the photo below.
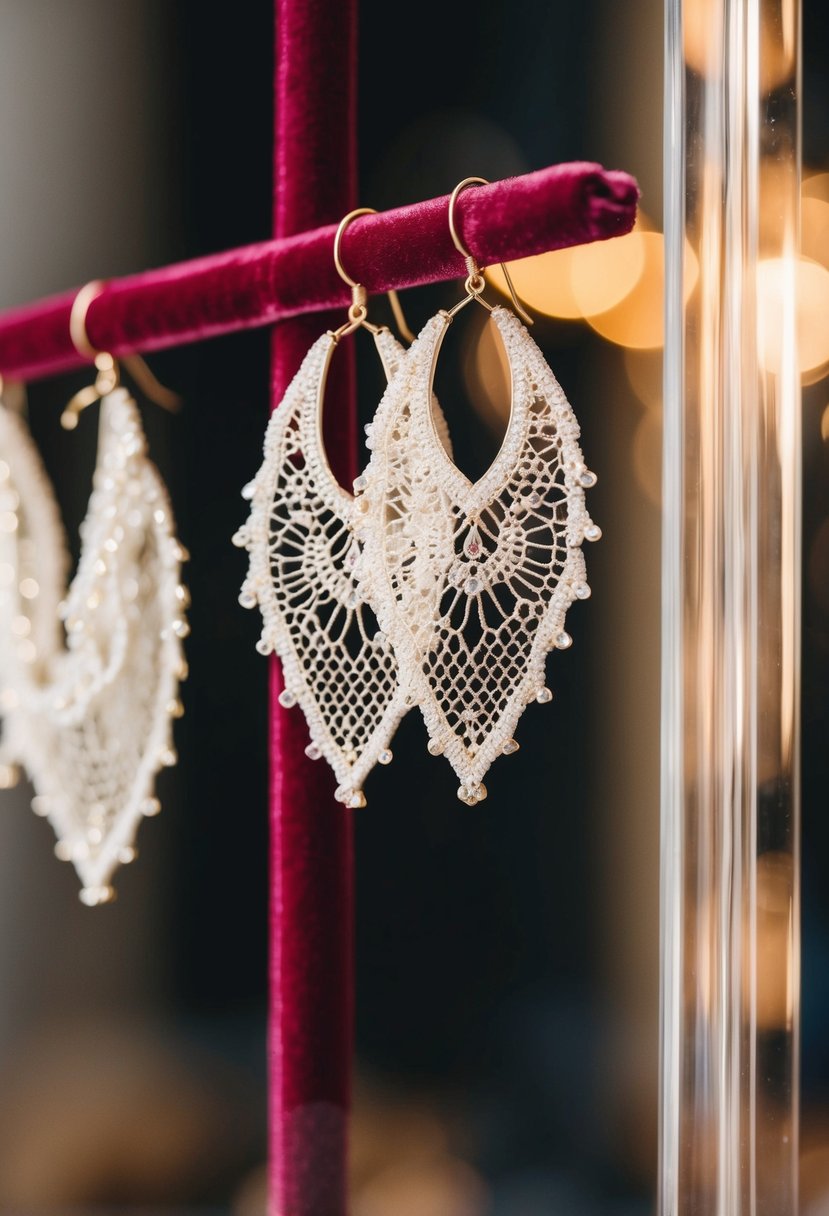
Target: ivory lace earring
(305, 570)
(97, 727)
(471, 582)
(33, 565)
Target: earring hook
(107, 376)
(358, 312)
(13, 395)
(475, 281)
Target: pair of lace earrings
(89, 672)
(422, 588)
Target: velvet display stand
(272, 280)
(310, 1035)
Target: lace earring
(96, 727)
(305, 569)
(471, 581)
(33, 566)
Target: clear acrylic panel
(731, 611)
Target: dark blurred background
(507, 957)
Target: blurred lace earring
(99, 726)
(33, 566)
(471, 583)
(305, 570)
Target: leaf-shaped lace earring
(305, 570)
(33, 565)
(95, 727)
(471, 581)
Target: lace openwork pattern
(471, 582)
(89, 714)
(304, 574)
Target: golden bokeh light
(814, 229)
(777, 203)
(486, 374)
(814, 374)
(638, 320)
(543, 282)
(703, 44)
(604, 273)
(774, 979)
(776, 278)
(816, 186)
(579, 281)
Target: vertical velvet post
(311, 876)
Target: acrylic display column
(731, 612)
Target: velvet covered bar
(569, 204)
(310, 1035)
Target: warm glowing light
(811, 285)
(702, 41)
(543, 282)
(816, 186)
(814, 229)
(604, 273)
(824, 425)
(776, 204)
(581, 281)
(638, 320)
(814, 374)
(773, 976)
(486, 375)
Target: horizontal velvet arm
(261, 284)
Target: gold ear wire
(107, 375)
(13, 396)
(358, 312)
(475, 281)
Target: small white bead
(94, 896)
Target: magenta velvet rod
(311, 1018)
(567, 204)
